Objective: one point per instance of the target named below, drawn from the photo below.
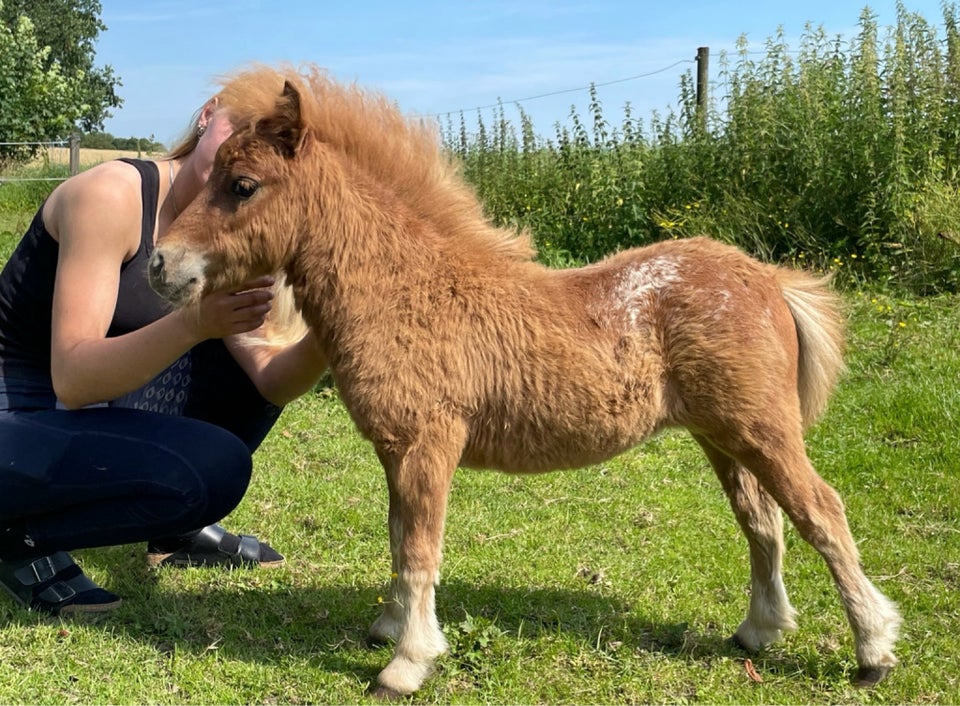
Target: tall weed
(24, 189)
(21, 193)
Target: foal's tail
(820, 333)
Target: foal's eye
(244, 187)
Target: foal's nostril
(156, 267)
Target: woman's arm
(280, 373)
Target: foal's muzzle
(177, 283)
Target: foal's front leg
(419, 486)
(386, 628)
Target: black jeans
(113, 475)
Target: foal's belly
(536, 446)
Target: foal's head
(325, 164)
(243, 222)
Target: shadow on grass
(269, 617)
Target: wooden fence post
(703, 66)
(74, 153)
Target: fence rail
(73, 144)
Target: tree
(106, 141)
(38, 100)
(70, 29)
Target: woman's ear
(206, 113)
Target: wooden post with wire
(703, 72)
(74, 153)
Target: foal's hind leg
(778, 460)
(770, 612)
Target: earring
(200, 130)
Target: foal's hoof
(385, 693)
(375, 642)
(870, 676)
(735, 641)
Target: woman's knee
(122, 472)
(206, 469)
(223, 473)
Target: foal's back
(597, 359)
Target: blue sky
(436, 57)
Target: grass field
(613, 584)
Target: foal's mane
(401, 153)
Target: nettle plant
(833, 148)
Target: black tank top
(26, 300)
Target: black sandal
(55, 585)
(213, 546)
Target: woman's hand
(230, 311)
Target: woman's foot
(212, 546)
(55, 585)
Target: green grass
(614, 584)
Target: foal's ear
(285, 127)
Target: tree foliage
(70, 29)
(40, 100)
(106, 141)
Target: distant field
(90, 157)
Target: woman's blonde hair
(243, 93)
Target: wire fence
(71, 146)
(579, 89)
